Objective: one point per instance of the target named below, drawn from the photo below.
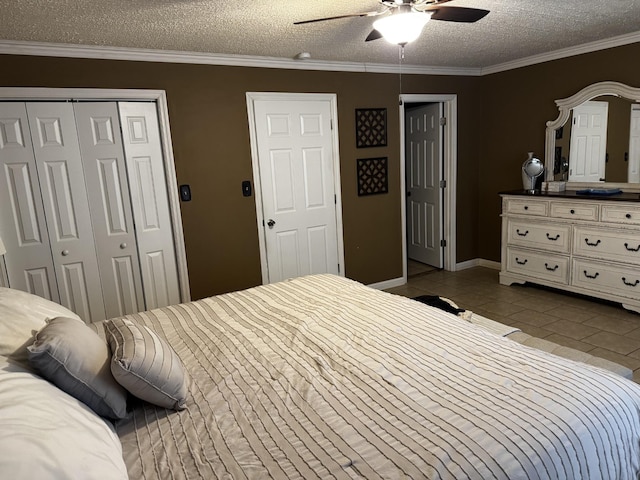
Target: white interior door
(423, 134)
(150, 202)
(294, 144)
(64, 193)
(108, 194)
(22, 219)
(634, 145)
(588, 146)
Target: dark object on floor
(438, 302)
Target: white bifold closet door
(140, 133)
(76, 231)
(22, 222)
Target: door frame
(636, 177)
(252, 97)
(449, 173)
(158, 97)
(439, 249)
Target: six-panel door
(295, 150)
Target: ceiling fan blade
(374, 35)
(419, 4)
(366, 14)
(457, 14)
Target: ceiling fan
(407, 17)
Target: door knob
(271, 223)
(123, 246)
(65, 253)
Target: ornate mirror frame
(565, 105)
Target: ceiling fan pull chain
(400, 58)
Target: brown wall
(500, 118)
(517, 104)
(209, 126)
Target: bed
(322, 377)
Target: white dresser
(584, 245)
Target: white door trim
(252, 97)
(450, 146)
(633, 170)
(160, 99)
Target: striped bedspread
(321, 377)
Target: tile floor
(601, 328)
(416, 268)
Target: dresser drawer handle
(551, 269)
(628, 215)
(631, 249)
(597, 242)
(526, 207)
(522, 234)
(572, 211)
(591, 276)
(553, 239)
(629, 284)
(521, 263)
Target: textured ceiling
(514, 29)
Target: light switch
(246, 188)
(185, 193)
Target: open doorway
(428, 176)
(424, 186)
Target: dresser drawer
(603, 277)
(524, 206)
(575, 211)
(626, 214)
(548, 236)
(609, 244)
(554, 268)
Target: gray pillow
(99, 328)
(145, 364)
(75, 359)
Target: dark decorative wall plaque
(371, 127)
(372, 176)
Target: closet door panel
(109, 200)
(59, 164)
(22, 219)
(147, 182)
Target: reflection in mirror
(596, 137)
(597, 142)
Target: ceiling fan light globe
(402, 28)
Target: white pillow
(22, 314)
(45, 433)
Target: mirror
(614, 150)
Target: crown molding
(12, 47)
(565, 52)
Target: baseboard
(394, 282)
(478, 262)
